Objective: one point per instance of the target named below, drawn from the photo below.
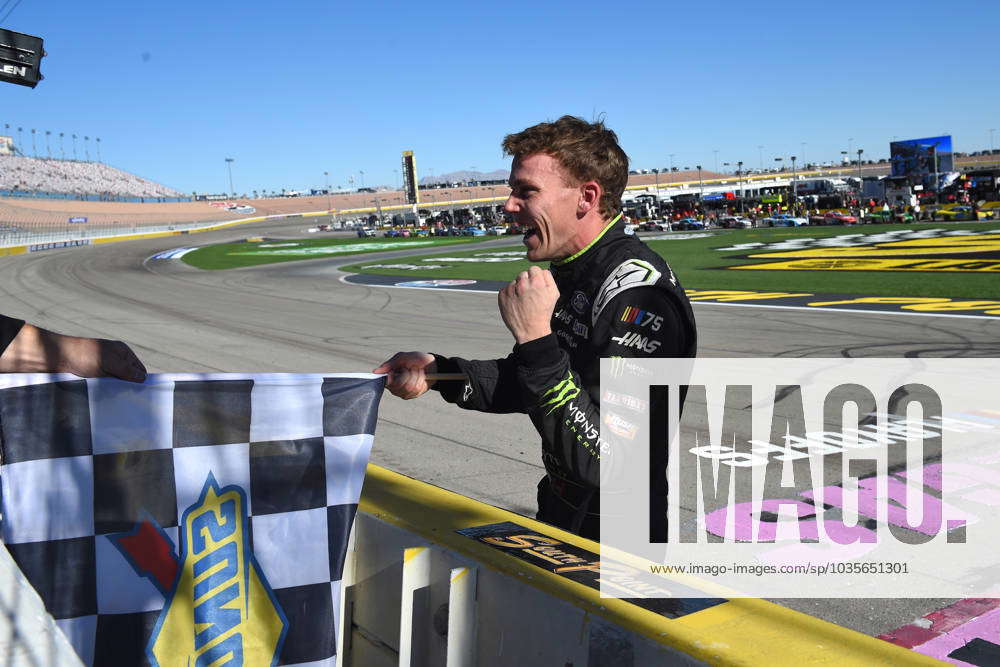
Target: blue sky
(290, 90)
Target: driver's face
(544, 203)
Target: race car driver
(605, 294)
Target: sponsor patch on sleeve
(630, 273)
(642, 318)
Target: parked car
(784, 220)
(473, 230)
(687, 223)
(735, 222)
(880, 217)
(652, 226)
(498, 230)
(838, 218)
(955, 213)
(365, 232)
(421, 231)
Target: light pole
(62, 147)
(329, 199)
(860, 151)
(74, 147)
(229, 167)
(362, 172)
(98, 149)
(34, 151)
(792, 201)
(701, 185)
(672, 163)
(780, 161)
(48, 146)
(86, 148)
(739, 170)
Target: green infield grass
(253, 253)
(703, 260)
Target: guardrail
(27, 240)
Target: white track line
(813, 309)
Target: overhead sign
(20, 58)
(410, 178)
(77, 220)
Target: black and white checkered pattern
(85, 459)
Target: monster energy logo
(564, 391)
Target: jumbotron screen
(919, 159)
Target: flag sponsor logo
(221, 609)
(579, 302)
(643, 318)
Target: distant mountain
(466, 176)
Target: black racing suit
(617, 298)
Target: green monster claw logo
(564, 392)
(221, 610)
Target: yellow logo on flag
(221, 610)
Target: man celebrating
(605, 295)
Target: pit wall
(418, 592)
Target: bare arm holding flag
(25, 348)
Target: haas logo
(632, 339)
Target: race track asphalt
(300, 317)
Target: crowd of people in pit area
(70, 177)
(864, 210)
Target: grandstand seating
(69, 177)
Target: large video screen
(919, 159)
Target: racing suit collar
(582, 251)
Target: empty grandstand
(30, 176)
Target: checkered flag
(193, 519)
